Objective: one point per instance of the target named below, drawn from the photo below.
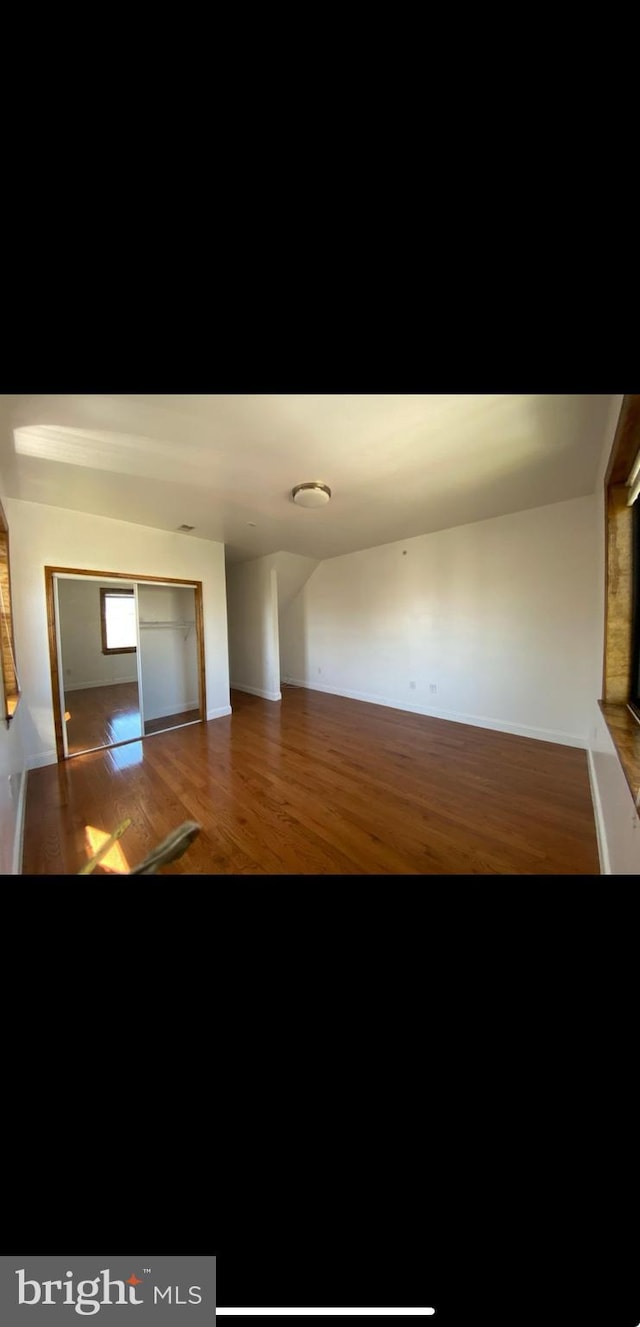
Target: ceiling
(397, 465)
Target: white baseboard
(256, 691)
(18, 842)
(601, 833)
(453, 716)
(43, 758)
(86, 686)
(219, 713)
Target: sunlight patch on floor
(114, 860)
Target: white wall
(12, 791)
(616, 816)
(42, 535)
(498, 615)
(252, 606)
(83, 662)
(292, 570)
(168, 656)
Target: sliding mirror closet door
(168, 656)
(98, 667)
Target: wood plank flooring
(322, 785)
(102, 715)
(170, 721)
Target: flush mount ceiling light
(311, 495)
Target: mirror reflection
(99, 664)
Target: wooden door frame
(50, 572)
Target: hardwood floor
(170, 721)
(101, 715)
(319, 784)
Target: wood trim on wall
(9, 682)
(620, 718)
(50, 572)
(616, 677)
(202, 687)
(625, 442)
(121, 576)
(618, 604)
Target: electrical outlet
(319, 670)
(433, 688)
(412, 686)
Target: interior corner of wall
(42, 758)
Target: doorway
(126, 655)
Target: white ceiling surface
(397, 465)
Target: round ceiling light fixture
(311, 495)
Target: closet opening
(126, 656)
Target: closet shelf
(177, 626)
